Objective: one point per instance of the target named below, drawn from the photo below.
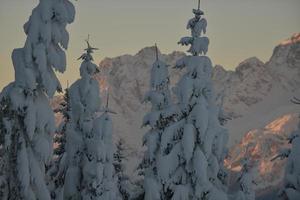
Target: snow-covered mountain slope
(255, 94)
(263, 144)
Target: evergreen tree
(291, 189)
(89, 173)
(246, 181)
(60, 136)
(123, 182)
(27, 120)
(158, 119)
(57, 168)
(3, 183)
(192, 149)
(291, 183)
(138, 192)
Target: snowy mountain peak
(220, 73)
(253, 90)
(292, 40)
(252, 61)
(288, 51)
(219, 68)
(248, 66)
(285, 63)
(148, 52)
(106, 62)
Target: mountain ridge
(254, 94)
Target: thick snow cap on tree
(291, 184)
(28, 118)
(84, 93)
(89, 142)
(159, 94)
(199, 45)
(158, 119)
(123, 182)
(159, 75)
(291, 180)
(246, 180)
(193, 146)
(43, 51)
(84, 98)
(34, 127)
(57, 169)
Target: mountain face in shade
(254, 95)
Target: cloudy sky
(238, 29)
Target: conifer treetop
(106, 109)
(87, 56)
(88, 68)
(198, 12)
(28, 124)
(43, 52)
(156, 52)
(159, 73)
(199, 44)
(193, 146)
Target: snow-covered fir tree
(123, 182)
(246, 181)
(89, 173)
(291, 182)
(291, 189)
(158, 119)
(27, 120)
(57, 167)
(3, 183)
(60, 137)
(192, 149)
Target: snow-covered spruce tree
(291, 183)
(123, 182)
(192, 149)
(292, 171)
(89, 173)
(28, 120)
(60, 136)
(3, 183)
(246, 181)
(158, 119)
(57, 168)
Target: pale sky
(237, 29)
